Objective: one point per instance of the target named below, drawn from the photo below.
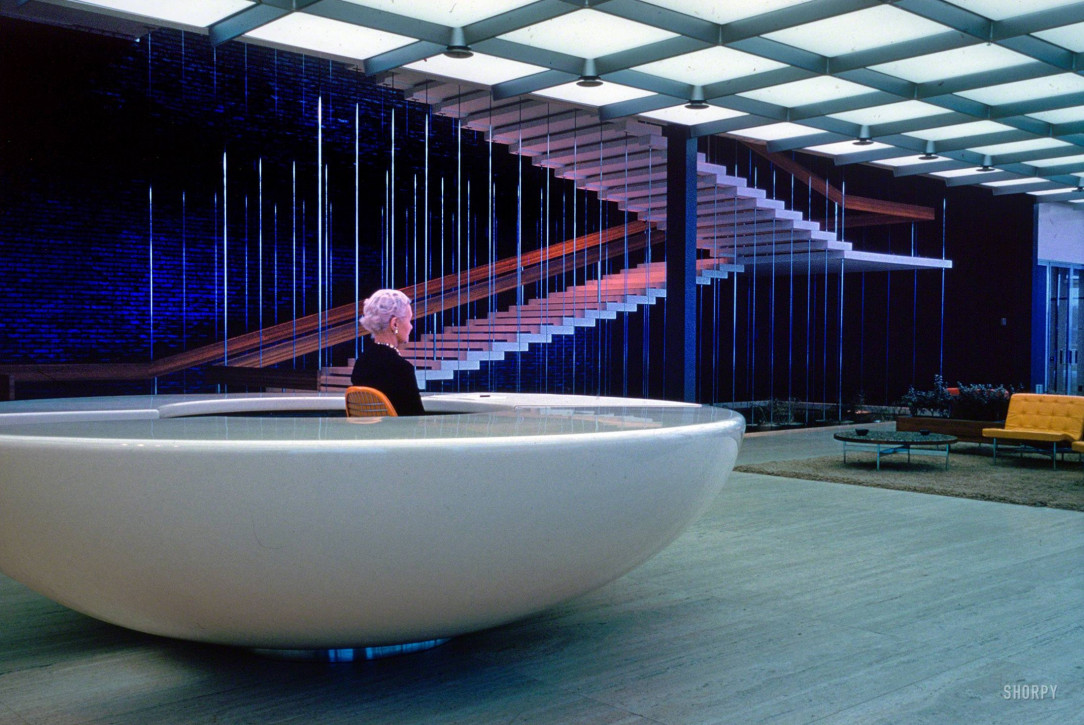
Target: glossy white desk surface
(298, 418)
(273, 521)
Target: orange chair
(362, 402)
(1039, 422)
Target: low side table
(887, 443)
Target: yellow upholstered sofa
(1041, 422)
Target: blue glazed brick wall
(173, 198)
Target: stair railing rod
(771, 298)
(599, 268)
(519, 247)
(492, 243)
(842, 278)
(941, 333)
(547, 286)
(319, 231)
(458, 221)
(790, 307)
(357, 230)
(824, 340)
(426, 222)
(734, 293)
(625, 277)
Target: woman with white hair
(386, 314)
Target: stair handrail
(243, 350)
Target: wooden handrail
(282, 341)
(894, 211)
(343, 330)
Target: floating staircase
(465, 347)
(739, 229)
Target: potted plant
(934, 403)
(962, 411)
(981, 402)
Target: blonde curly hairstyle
(381, 306)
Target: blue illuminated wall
(169, 196)
(156, 196)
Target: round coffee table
(887, 443)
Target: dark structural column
(1040, 332)
(679, 335)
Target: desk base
(349, 654)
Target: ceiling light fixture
(457, 47)
(589, 78)
(987, 164)
(929, 155)
(696, 99)
(863, 137)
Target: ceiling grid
(966, 84)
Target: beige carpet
(1027, 480)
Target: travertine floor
(789, 601)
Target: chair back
(363, 402)
(1063, 414)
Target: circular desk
(273, 521)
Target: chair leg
(995, 451)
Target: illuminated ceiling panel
(958, 173)
(776, 131)
(587, 34)
(1071, 37)
(953, 63)
(710, 65)
(905, 161)
(1004, 9)
(803, 93)
(960, 79)
(479, 68)
(690, 117)
(595, 96)
(853, 32)
(1056, 85)
(453, 14)
(1018, 147)
(298, 30)
(1048, 192)
(892, 113)
(1043, 163)
(1062, 115)
(842, 148)
(960, 130)
(185, 12)
(726, 12)
(1013, 182)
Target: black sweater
(381, 367)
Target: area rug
(1027, 480)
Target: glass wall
(1058, 293)
(1064, 329)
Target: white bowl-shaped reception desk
(272, 521)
